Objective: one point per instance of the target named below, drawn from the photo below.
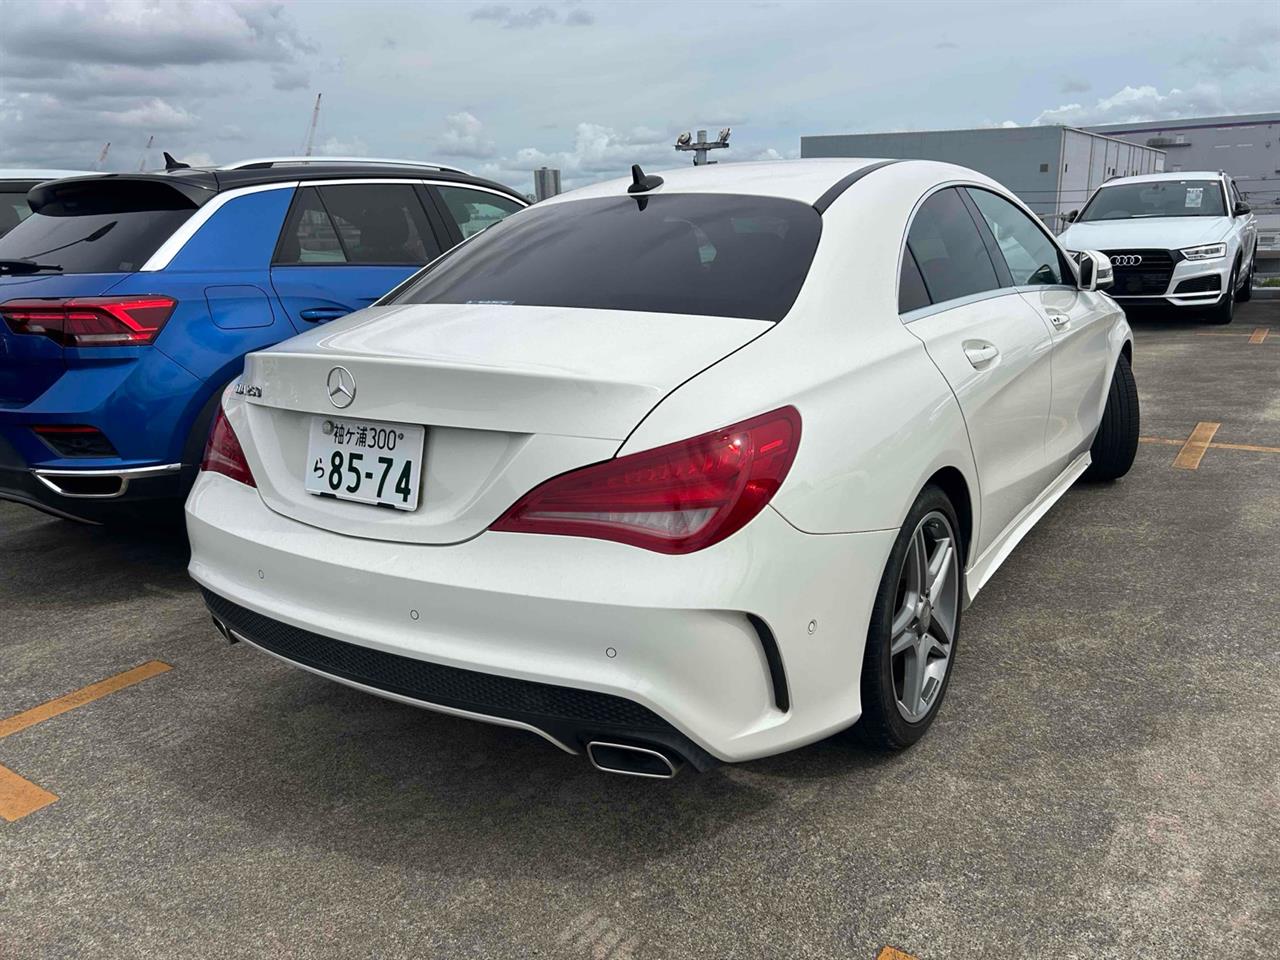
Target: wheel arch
(952, 482)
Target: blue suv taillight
(91, 321)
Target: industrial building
(1053, 169)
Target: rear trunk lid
(509, 396)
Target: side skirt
(986, 565)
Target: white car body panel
(511, 395)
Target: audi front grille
(1141, 273)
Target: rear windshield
(1157, 198)
(716, 255)
(97, 231)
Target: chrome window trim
(911, 316)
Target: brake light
(91, 321)
(676, 498)
(223, 453)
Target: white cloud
(338, 147)
(465, 137)
(1137, 104)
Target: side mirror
(1095, 271)
(1240, 209)
(1071, 217)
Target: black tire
(1246, 289)
(1116, 442)
(882, 726)
(1224, 310)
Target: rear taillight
(223, 454)
(91, 321)
(673, 499)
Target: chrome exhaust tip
(227, 635)
(632, 761)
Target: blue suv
(128, 302)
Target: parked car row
(690, 468)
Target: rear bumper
(682, 641)
(90, 495)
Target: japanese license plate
(366, 461)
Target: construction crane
(311, 131)
(102, 157)
(142, 164)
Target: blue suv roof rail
(262, 162)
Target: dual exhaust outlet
(627, 759)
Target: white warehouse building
(1053, 169)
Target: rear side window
(98, 227)
(356, 224)
(948, 249)
(912, 294)
(1031, 256)
(717, 255)
(473, 210)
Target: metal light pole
(702, 145)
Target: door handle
(980, 353)
(316, 314)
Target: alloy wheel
(924, 622)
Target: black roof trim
(840, 186)
(200, 184)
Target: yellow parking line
(20, 721)
(1260, 335)
(1244, 446)
(19, 797)
(891, 953)
(1192, 451)
(1165, 440)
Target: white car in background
(699, 467)
(1184, 240)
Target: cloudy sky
(590, 87)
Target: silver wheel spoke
(923, 627)
(939, 567)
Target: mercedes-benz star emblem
(1126, 260)
(342, 387)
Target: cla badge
(341, 386)
(1126, 260)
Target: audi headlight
(1208, 251)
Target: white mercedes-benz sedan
(693, 467)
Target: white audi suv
(695, 468)
(1182, 240)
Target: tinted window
(473, 210)
(948, 249)
(719, 255)
(1031, 256)
(1157, 198)
(357, 223)
(912, 294)
(97, 231)
(13, 207)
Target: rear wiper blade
(19, 268)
